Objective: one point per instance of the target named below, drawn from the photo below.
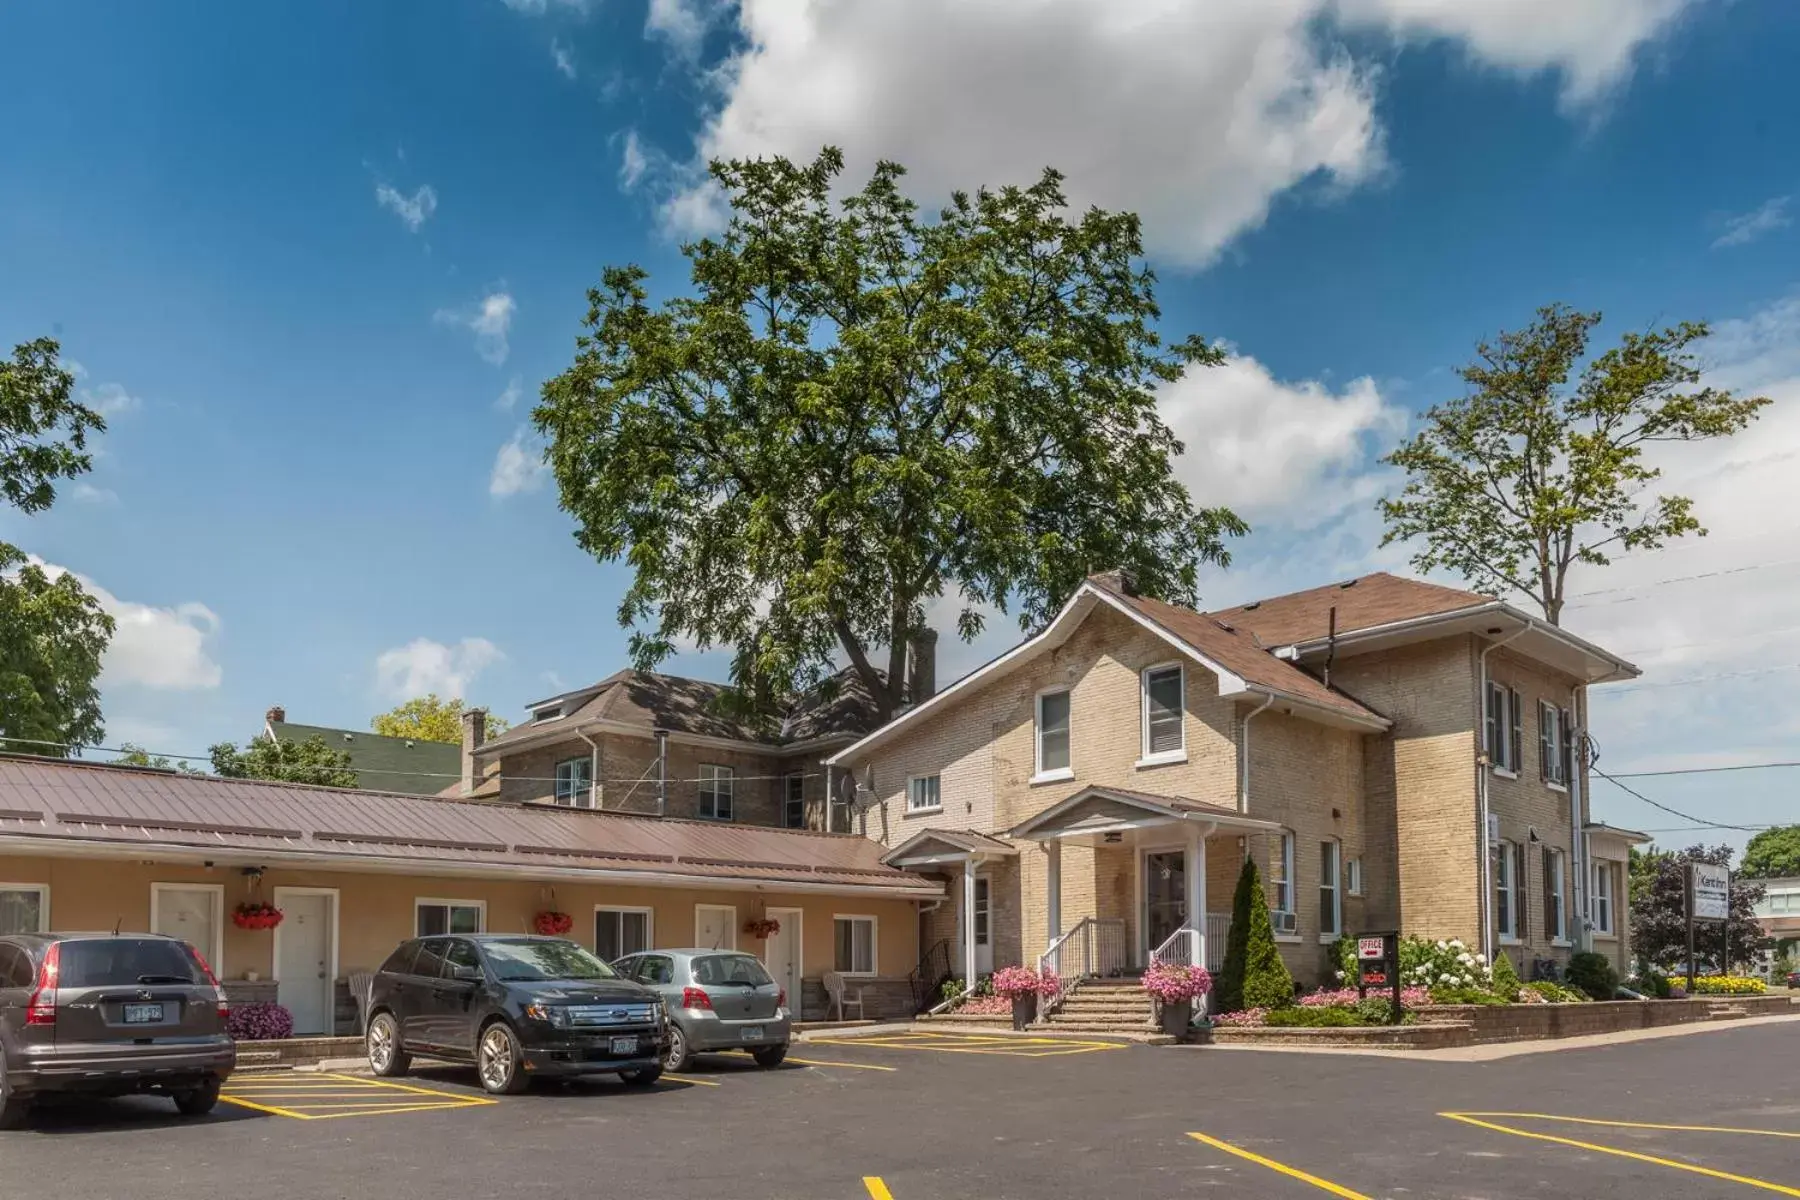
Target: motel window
(448, 916)
(1353, 877)
(793, 801)
(715, 791)
(1330, 904)
(24, 908)
(1163, 735)
(1282, 871)
(1555, 895)
(621, 931)
(575, 782)
(923, 794)
(855, 945)
(1506, 891)
(1603, 897)
(1503, 731)
(1052, 733)
(1553, 744)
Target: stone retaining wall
(1436, 1036)
(1526, 1022)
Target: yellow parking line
(1777, 1133)
(265, 1108)
(1291, 1172)
(1030, 1050)
(693, 1082)
(407, 1087)
(877, 1189)
(820, 1062)
(380, 1104)
(384, 1112)
(1747, 1181)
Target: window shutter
(1490, 739)
(1568, 746)
(1516, 706)
(1547, 739)
(1522, 889)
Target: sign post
(1378, 968)
(1708, 899)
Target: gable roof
(1362, 603)
(382, 763)
(918, 849)
(107, 809)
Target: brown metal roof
(84, 802)
(1361, 603)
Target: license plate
(143, 1014)
(624, 1045)
(753, 1033)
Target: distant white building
(1778, 912)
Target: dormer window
(548, 713)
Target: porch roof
(946, 845)
(1097, 809)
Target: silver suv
(109, 1015)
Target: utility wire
(1675, 812)
(1757, 766)
(1692, 679)
(1579, 600)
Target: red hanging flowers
(553, 924)
(256, 916)
(762, 927)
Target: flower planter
(1024, 1010)
(1175, 1017)
(553, 924)
(256, 916)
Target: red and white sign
(1371, 947)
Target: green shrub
(1228, 989)
(1505, 978)
(1651, 982)
(1555, 992)
(1464, 995)
(1593, 974)
(1253, 975)
(1375, 1010)
(1314, 1018)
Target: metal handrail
(1181, 948)
(1095, 946)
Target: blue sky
(315, 259)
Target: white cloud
(109, 399)
(1295, 453)
(682, 23)
(490, 321)
(634, 161)
(1196, 116)
(563, 57)
(509, 399)
(518, 467)
(422, 666)
(413, 210)
(537, 8)
(163, 648)
(1745, 228)
(87, 493)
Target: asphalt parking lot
(914, 1116)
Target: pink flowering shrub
(1173, 983)
(986, 1005)
(259, 1022)
(1250, 1016)
(1410, 997)
(1025, 981)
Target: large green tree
(429, 718)
(856, 411)
(1528, 474)
(310, 761)
(52, 631)
(1773, 854)
(1659, 910)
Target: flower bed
(1727, 985)
(997, 1006)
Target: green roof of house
(385, 764)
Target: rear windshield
(111, 962)
(729, 969)
(529, 961)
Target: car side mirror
(466, 974)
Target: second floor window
(1554, 744)
(715, 791)
(1163, 737)
(793, 801)
(575, 782)
(1503, 731)
(922, 794)
(1052, 732)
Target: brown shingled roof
(1361, 603)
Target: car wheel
(386, 1057)
(197, 1102)
(14, 1109)
(678, 1057)
(500, 1062)
(642, 1077)
(769, 1056)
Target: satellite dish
(861, 796)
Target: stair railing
(1094, 947)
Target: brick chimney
(276, 715)
(921, 666)
(474, 733)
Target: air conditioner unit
(1283, 922)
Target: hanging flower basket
(256, 916)
(554, 924)
(762, 927)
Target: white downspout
(1244, 755)
(1484, 853)
(1578, 853)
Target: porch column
(1053, 889)
(968, 907)
(1195, 876)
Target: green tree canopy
(1659, 910)
(52, 632)
(310, 761)
(429, 718)
(1515, 482)
(133, 755)
(856, 412)
(1773, 854)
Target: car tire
(678, 1057)
(500, 1060)
(642, 1077)
(14, 1109)
(769, 1057)
(197, 1102)
(387, 1057)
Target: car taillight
(218, 991)
(41, 1008)
(695, 998)
(781, 998)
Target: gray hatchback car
(717, 1000)
(108, 1015)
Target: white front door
(303, 958)
(193, 914)
(715, 926)
(781, 954)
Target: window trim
(874, 943)
(649, 927)
(1559, 878)
(1039, 774)
(913, 810)
(447, 903)
(1336, 886)
(731, 926)
(1505, 726)
(1599, 897)
(576, 797)
(1180, 754)
(1285, 842)
(1553, 735)
(729, 775)
(1353, 880)
(787, 780)
(43, 894)
(1504, 881)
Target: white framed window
(1556, 895)
(622, 931)
(716, 785)
(1164, 733)
(1353, 877)
(1053, 736)
(432, 916)
(1503, 731)
(1553, 745)
(923, 794)
(1281, 871)
(853, 939)
(24, 908)
(793, 801)
(1601, 901)
(575, 782)
(1331, 906)
(548, 713)
(1506, 892)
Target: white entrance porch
(973, 855)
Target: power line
(1692, 679)
(1675, 812)
(1657, 583)
(1757, 766)
(1756, 633)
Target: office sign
(1710, 888)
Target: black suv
(109, 1015)
(516, 1007)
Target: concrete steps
(1105, 1006)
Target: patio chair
(361, 984)
(842, 996)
